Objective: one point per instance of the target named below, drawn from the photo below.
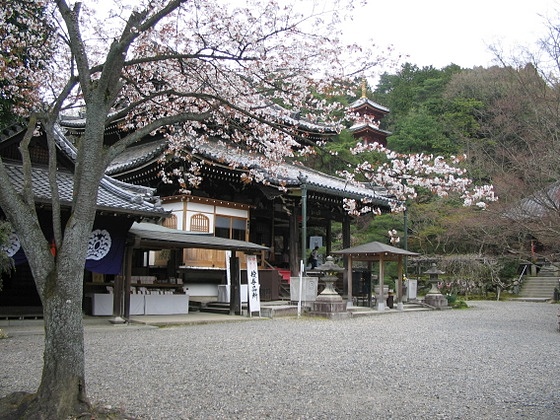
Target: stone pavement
(268, 310)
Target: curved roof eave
(358, 127)
(375, 248)
(149, 234)
(366, 101)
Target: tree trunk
(62, 390)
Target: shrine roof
(289, 175)
(149, 235)
(364, 126)
(136, 156)
(538, 204)
(374, 248)
(282, 116)
(366, 101)
(113, 195)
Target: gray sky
(440, 32)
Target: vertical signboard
(254, 300)
(228, 267)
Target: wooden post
(381, 296)
(349, 280)
(118, 293)
(399, 283)
(235, 287)
(303, 181)
(294, 240)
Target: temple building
(241, 207)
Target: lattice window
(170, 222)
(200, 223)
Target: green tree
(412, 87)
(515, 143)
(419, 131)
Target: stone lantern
(434, 297)
(329, 303)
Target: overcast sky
(441, 32)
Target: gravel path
(496, 360)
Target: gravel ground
(496, 360)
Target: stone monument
(434, 297)
(329, 303)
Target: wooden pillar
(347, 282)
(370, 269)
(328, 234)
(303, 245)
(380, 297)
(399, 282)
(235, 287)
(294, 241)
(272, 242)
(118, 290)
(346, 232)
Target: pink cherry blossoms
(402, 174)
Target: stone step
(219, 308)
(538, 287)
(541, 285)
(274, 311)
(545, 280)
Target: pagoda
(368, 115)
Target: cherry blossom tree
(188, 68)
(402, 175)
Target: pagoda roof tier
(366, 103)
(369, 127)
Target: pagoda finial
(364, 88)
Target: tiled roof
(136, 156)
(361, 126)
(11, 131)
(296, 121)
(287, 174)
(112, 196)
(276, 111)
(538, 204)
(364, 101)
(150, 235)
(291, 175)
(374, 248)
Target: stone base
(117, 320)
(329, 309)
(438, 301)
